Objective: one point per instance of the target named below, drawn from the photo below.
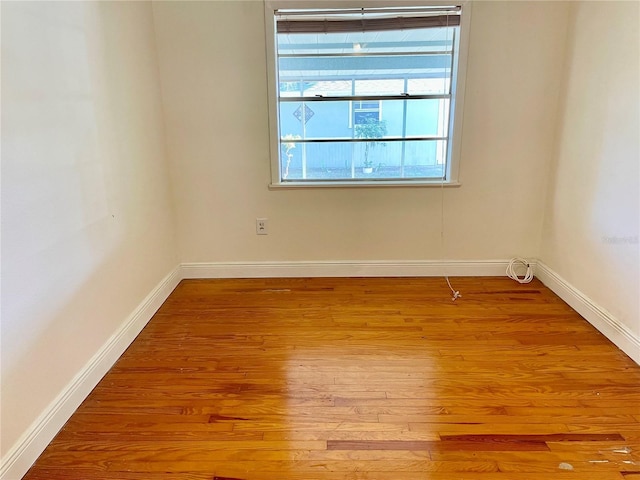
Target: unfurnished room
(320, 239)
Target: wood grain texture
(358, 379)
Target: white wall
(212, 65)
(87, 227)
(591, 227)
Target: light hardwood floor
(377, 378)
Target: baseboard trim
(597, 316)
(477, 268)
(33, 442)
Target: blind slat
(366, 24)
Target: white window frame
(457, 92)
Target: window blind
(326, 24)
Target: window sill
(362, 184)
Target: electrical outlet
(261, 226)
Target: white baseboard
(33, 442)
(471, 268)
(597, 316)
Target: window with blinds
(365, 96)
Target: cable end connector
(456, 295)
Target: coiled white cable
(515, 263)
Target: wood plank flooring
(359, 379)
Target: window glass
(371, 103)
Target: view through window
(366, 95)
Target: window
(361, 110)
(395, 73)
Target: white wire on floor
(456, 293)
(519, 263)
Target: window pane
(320, 71)
(325, 88)
(381, 86)
(426, 117)
(350, 161)
(428, 86)
(340, 119)
(422, 40)
(315, 64)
